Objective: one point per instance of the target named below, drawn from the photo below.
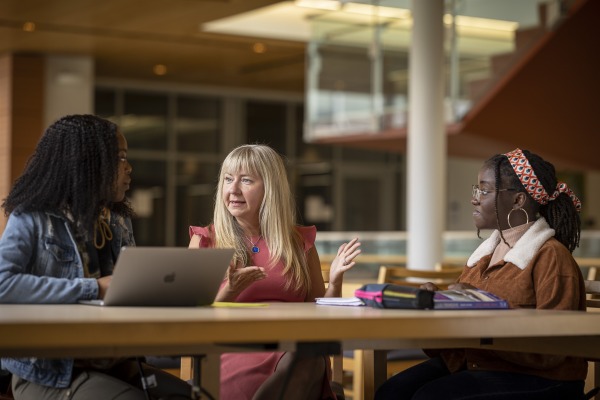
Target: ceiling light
(354, 8)
(160, 69)
(259, 48)
(330, 5)
(29, 26)
(474, 23)
(380, 11)
(482, 23)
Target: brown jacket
(538, 272)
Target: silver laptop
(166, 276)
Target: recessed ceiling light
(160, 69)
(330, 5)
(29, 26)
(259, 48)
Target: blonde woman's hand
(343, 261)
(238, 279)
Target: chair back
(442, 276)
(592, 290)
(337, 373)
(325, 268)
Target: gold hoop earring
(520, 209)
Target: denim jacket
(40, 264)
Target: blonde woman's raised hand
(343, 261)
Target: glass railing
(357, 59)
(381, 248)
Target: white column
(69, 86)
(426, 153)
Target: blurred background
(324, 82)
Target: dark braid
(560, 213)
(74, 167)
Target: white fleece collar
(523, 251)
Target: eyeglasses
(478, 192)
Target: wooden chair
(592, 290)
(399, 360)
(442, 275)
(186, 368)
(337, 373)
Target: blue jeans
(432, 380)
(121, 383)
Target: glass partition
(357, 58)
(197, 125)
(389, 248)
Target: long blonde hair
(277, 214)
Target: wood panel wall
(22, 85)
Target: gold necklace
(101, 225)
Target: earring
(520, 209)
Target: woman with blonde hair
(275, 261)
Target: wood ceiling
(550, 103)
(128, 37)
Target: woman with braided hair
(527, 260)
(68, 219)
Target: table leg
(206, 372)
(375, 371)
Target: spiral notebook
(166, 277)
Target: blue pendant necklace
(254, 248)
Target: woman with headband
(527, 260)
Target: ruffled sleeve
(205, 233)
(309, 234)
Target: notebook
(166, 276)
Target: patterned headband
(532, 184)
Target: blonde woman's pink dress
(243, 373)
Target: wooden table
(87, 331)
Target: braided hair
(73, 168)
(560, 213)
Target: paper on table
(340, 301)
